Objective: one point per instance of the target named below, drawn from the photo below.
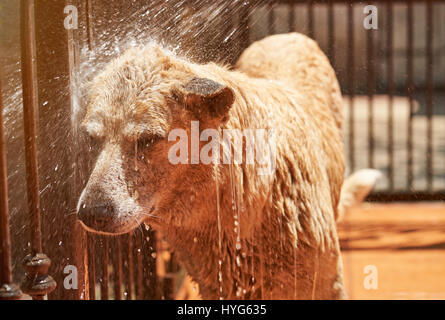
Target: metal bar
(92, 265)
(291, 18)
(104, 285)
(371, 91)
(5, 262)
(429, 93)
(130, 267)
(118, 269)
(310, 18)
(150, 284)
(410, 91)
(406, 196)
(8, 290)
(89, 23)
(244, 24)
(169, 281)
(139, 268)
(271, 19)
(81, 172)
(350, 80)
(56, 60)
(29, 106)
(37, 282)
(390, 80)
(232, 33)
(331, 32)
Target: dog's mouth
(112, 227)
(103, 220)
(114, 216)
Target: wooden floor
(404, 243)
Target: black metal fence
(392, 79)
(393, 83)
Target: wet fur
(289, 244)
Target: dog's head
(134, 103)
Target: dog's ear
(205, 97)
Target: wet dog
(165, 160)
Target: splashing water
(186, 31)
(218, 213)
(205, 31)
(237, 226)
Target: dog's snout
(95, 217)
(105, 205)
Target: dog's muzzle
(97, 218)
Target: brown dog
(240, 232)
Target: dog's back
(297, 61)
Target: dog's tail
(355, 189)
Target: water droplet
(238, 261)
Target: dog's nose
(95, 217)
